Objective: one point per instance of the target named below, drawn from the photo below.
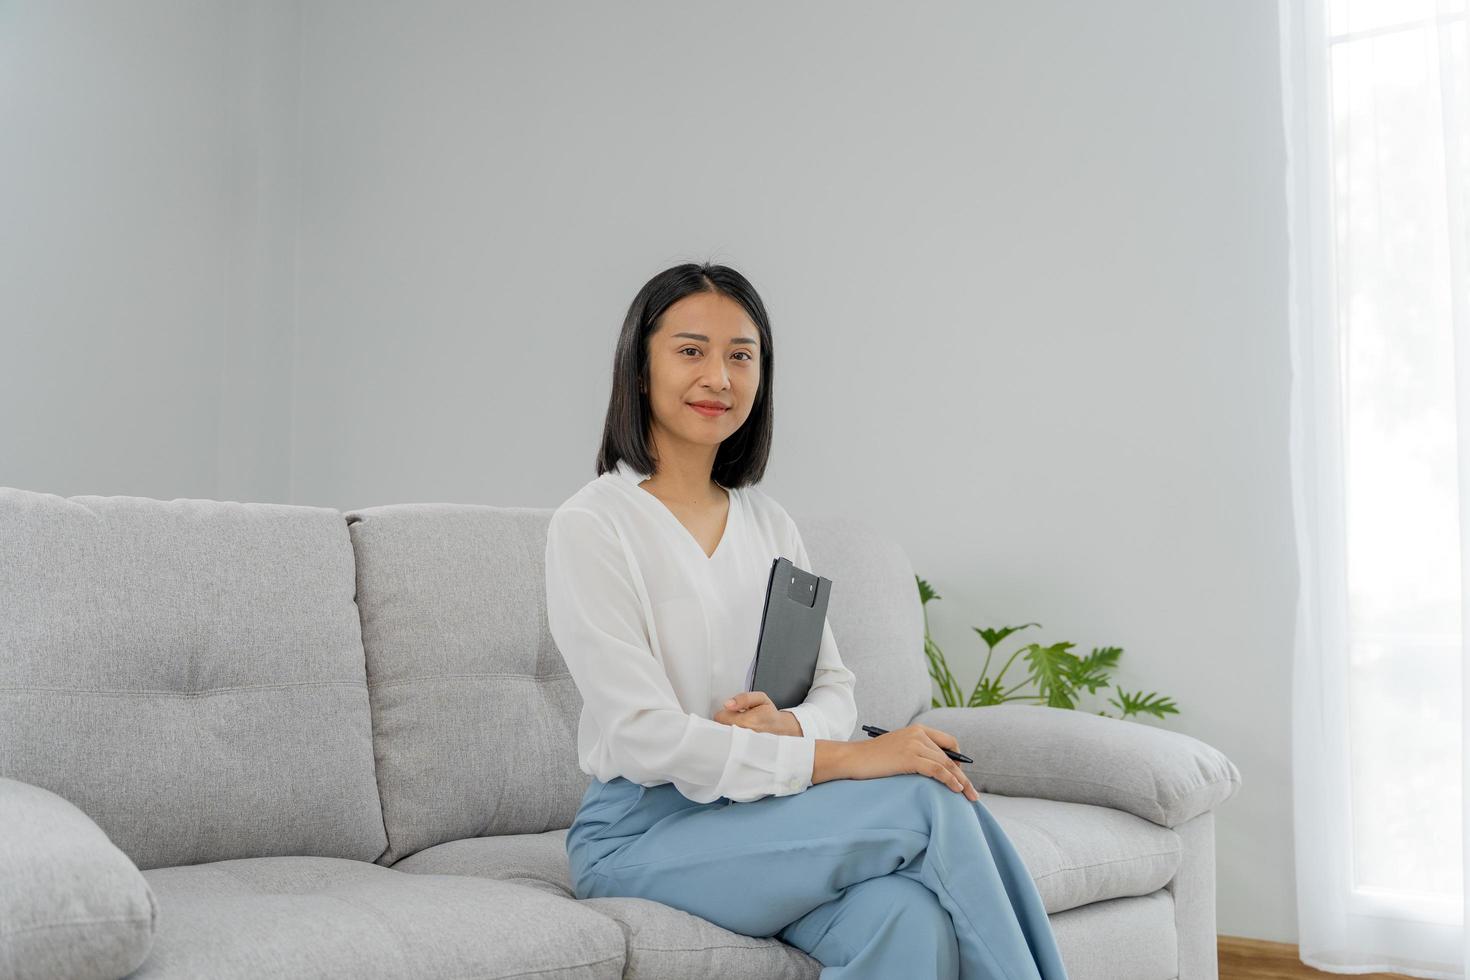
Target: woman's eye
(696, 350)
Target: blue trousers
(899, 876)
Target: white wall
(145, 247)
(1025, 265)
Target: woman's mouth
(707, 411)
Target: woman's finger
(941, 738)
(952, 776)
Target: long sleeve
(829, 711)
(597, 622)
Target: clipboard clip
(802, 588)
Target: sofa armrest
(72, 904)
(1079, 757)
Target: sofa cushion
(1077, 853)
(534, 860)
(661, 941)
(1164, 776)
(297, 917)
(665, 943)
(877, 618)
(474, 712)
(72, 906)
(189, 673)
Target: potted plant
(1058, 674)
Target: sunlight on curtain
(1403, 560)
(1377, 119)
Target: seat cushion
(305, 916)
(1077, 853)
(661, 941)
(189, 673)
(665, 943)
(534, 860)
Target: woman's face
(705, 349)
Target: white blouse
(657, 635)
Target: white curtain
(1377, 121)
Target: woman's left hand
(756, 711)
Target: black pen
(875, 730)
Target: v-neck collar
(633, 478)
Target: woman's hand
(756, 711)
(916, 748)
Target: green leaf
(1107, 657)
(992, 637)
(1051, 668)
(1151, 703)
(986, 692)
(1092, 670)
(926, 591)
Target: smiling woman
(875, 857)
(692, 378)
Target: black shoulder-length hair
(741, 458)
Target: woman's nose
(719, 377)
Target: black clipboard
(792, 621)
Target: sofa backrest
(876, 616)
(211, 680)
(189, 673)
(474, 712)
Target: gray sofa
(260, 740)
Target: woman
(874, 856)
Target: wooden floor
(1256, 959)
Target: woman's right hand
(915, 748)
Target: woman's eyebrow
(700, 336)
